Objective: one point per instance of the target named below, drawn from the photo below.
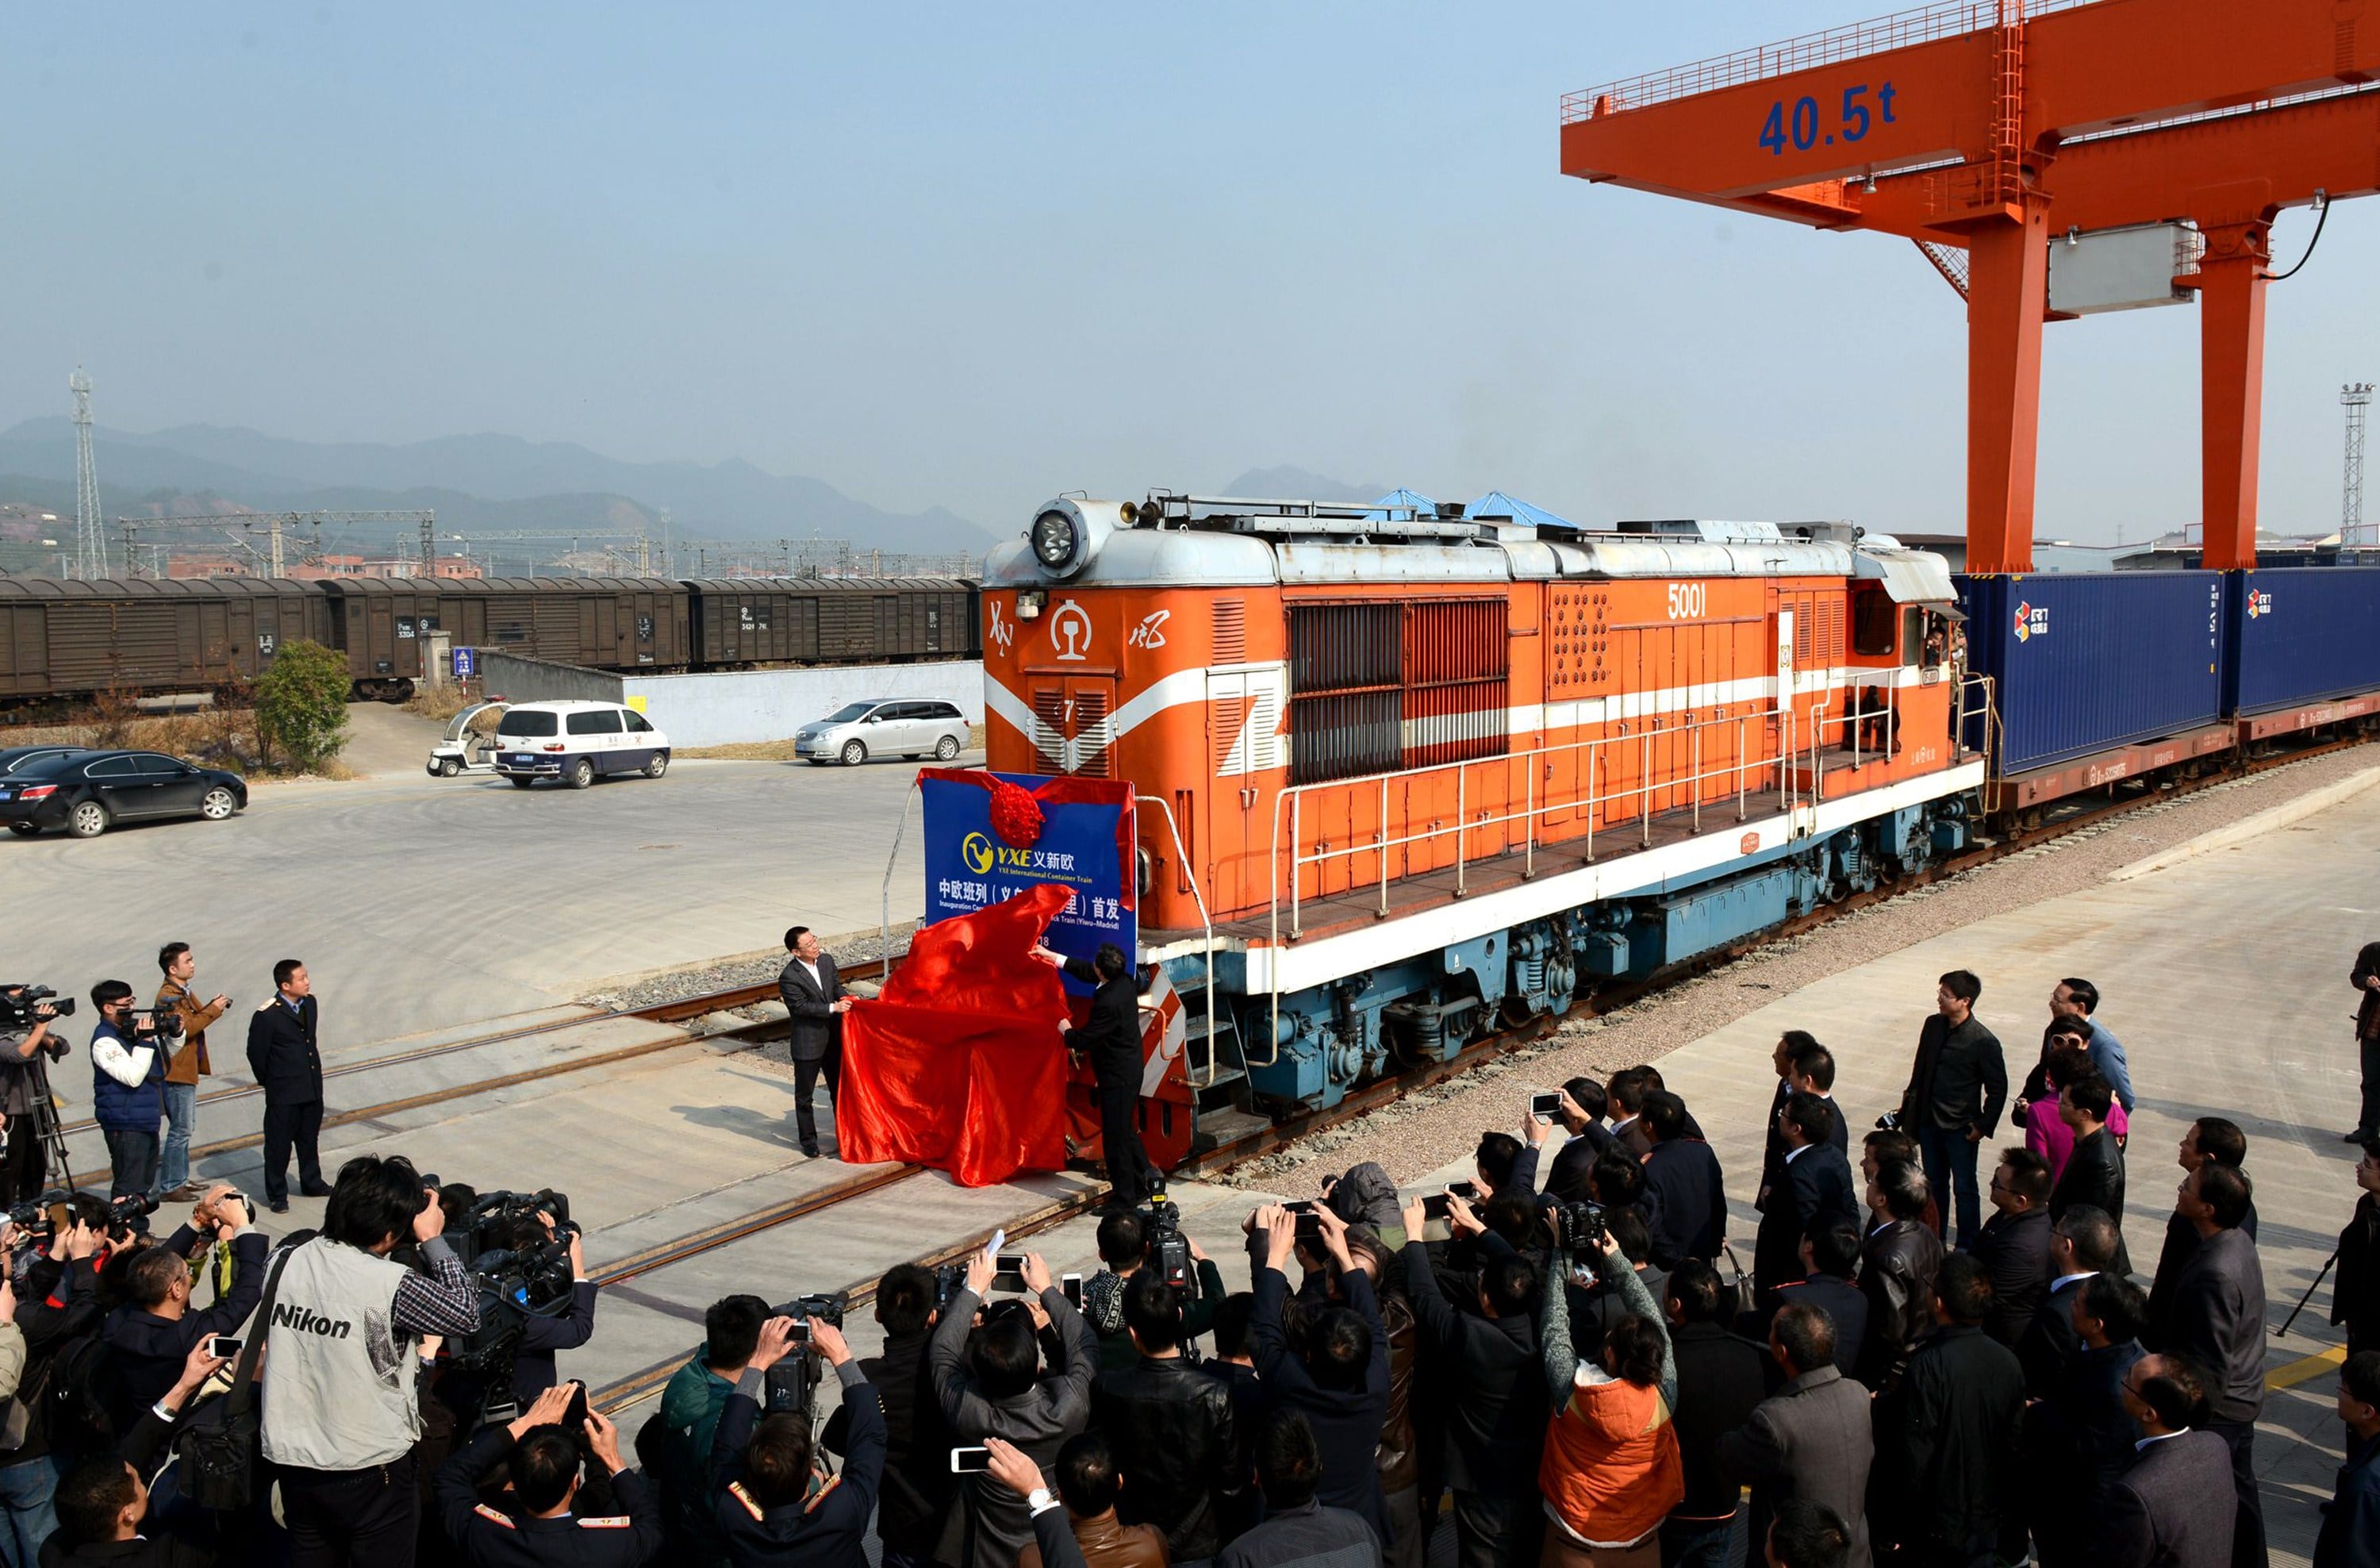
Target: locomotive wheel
(88, 820)
(853, 754)
(946, 749)
(218, 806)
(581, 774)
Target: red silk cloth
(958, 1064)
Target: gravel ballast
(1428, 1129)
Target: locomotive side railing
(1746, 774)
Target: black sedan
(90, 791)
(17, 758)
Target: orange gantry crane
(1997, 127)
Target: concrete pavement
(422, 904)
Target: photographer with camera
(1128, 1241)
(1172, 1428)
(188, 1065)
(103, 1500)
(1340, 1379)
(535, 1242)
(778, 1507)
(27, 1047)
(56, 1308)
(152, 1335)
(988, 1381)
(127, 1075)
(544, 1455)
(339, 1427)
(1612, 1469)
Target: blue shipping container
(2083, 661)
(2301, 634)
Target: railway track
(647, 1382)
(663, 1013)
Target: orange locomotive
(1407, 769)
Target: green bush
(301, 707)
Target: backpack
(73, 1404)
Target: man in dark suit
(1772, 1154)
(2169, 1508)
(284, 1057)
(2015, 1244)
(1685, 1195)
(1947, 1435)
(2365, 979)
(814, 1008)
(1720, 1379)
(1812, 1439)
(1830, 1258)
(2078, 1439)
(2217, 1139)
(2082, 1247)
(2214, 1318)
(1813, 1186)
(2094, 1172)
(1112, 1035)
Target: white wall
(734, 707)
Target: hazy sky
(978, 255)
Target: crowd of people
(1559, 1361)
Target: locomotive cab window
(1874, 622)
(1912, 635)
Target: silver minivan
(883, 726)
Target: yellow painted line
(2306, 1370)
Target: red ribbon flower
(1015, 815)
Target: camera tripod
(55, 1166)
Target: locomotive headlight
(1053, 540)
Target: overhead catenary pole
(2356, 396)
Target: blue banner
(990, 836)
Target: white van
(577, 743)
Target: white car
(883, 726)
(577, 743)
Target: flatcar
(1407, 773)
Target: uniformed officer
(541, 1457)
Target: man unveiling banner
(958, 1063)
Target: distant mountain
(481, 481)
(1293, 484)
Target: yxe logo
(2032, 620)
(2259, 605)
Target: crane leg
(2231, 388)
(2007, 290)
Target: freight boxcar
(599, 623)
(2304, 651)
(72, 640)
(2096, 676)
(745, 620)
(379, 624)
(894, 619)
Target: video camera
(791, 1386)
(1168, 1250)
(1580, 1227)
(19, 1003)
(519, 1271)
(165, 1023)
